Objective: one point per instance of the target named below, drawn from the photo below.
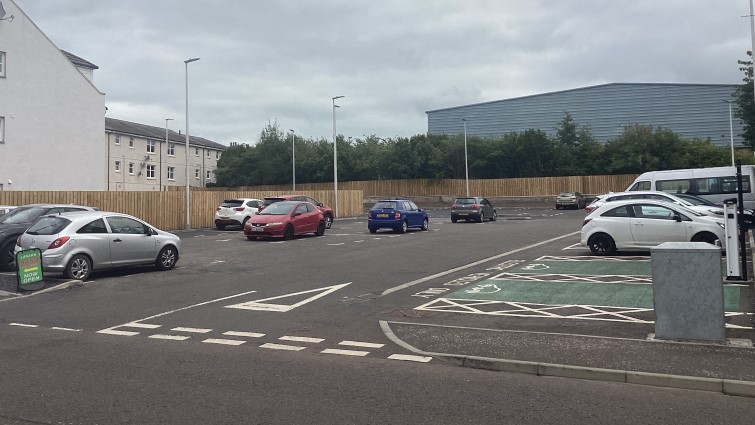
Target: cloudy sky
(283, 61)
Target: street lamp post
(731, 131)
(188, 192)
(161, 151)
(293, 157)
(466, 166)
(335, 155)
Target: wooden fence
(167, 210)
(536, 186)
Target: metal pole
(752, 37)
(731, 133)
(188, 192)
(293, 157)
(466, 166)
(335, 156)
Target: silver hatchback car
(77, 243)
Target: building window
(2, 130)
(196, 151)
(171, 149)
(150, 171)
(131, 168)
(117, 139)
(2, 64)
(209, 175)
(150, 146)
(171, 173)
(117, 166)
(217, 154)
(131, 142)
(208, 153)
(196, 174)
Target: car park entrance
(572, 287)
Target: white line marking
(170, 337)
(23, 325)
(301, 339)
(217, 262)
(361, 344)
(192, 330)
(114, 332)
(261, 305)
(359, 241)
(140, 325)
(66, 329)
(223, 341)
(222, 240)
(476, 263)
(281, 347)
(345, 352)
(246, 334)
(336, 244)
(410, 358)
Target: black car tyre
(320, 228)
(404, 227)
(252, 238)
(601, 244)
(220, 226)
(453, 219)
(167, 258)
(705, 237)
(494, 217)
(328, 221)
(7, 256)
(372, 230)
(481, 218)
(425, 224)
(558, 207)
(79, 267)
(288, 234)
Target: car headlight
(721, 224)
(277, 223)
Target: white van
(715, 184)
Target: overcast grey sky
(268, 61)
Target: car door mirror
(296, 214)
(319, 204)
(677, 217)
(419, 209)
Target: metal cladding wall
(691, 110)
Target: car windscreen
(50, 225)
(279, 208)
(231, 203)
(566, 194)
(384, 205)
(270, 201)
(22, 215)
(465, 201)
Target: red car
(285, 219)
(326, 211)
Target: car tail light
(587, 220)
(57, 243)
(18, 240)
(453, 206)
(475, 207)
(397, 215)
(218, 209)
(239, 209)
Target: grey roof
(78, 61)
(113, 125)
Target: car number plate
(462, 213)
(382, 216)
(257, 229)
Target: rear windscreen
(48, 226)
(384, 205)
(464, 201)
(231, 203)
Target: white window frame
(172, 173)
(131, 168)
(150, 146)
(171, 149)
(117, 166)
(196, 174)
(209, 175)
(118, 139)
(196, 151)
(208, 153)
(131, 142)
(151, 171)
(3, 57)
(2, 130)
(217, 154)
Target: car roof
(89, 215)
(56, 206)
(241, 199)
(619, 203)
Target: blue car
(397, 214)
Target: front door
(130, 241)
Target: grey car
(472, 208)
(75, 244)
(570, 200)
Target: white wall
(54, 116)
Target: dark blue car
(397, 214)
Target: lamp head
(187, 61)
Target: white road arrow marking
(262, 305)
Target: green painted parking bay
(574, 293)
(586, 266)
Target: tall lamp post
(335, 154)
(161, 151)
(188, 192)
(293, 156)
(466, 166)
(731, 132)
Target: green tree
(743, 97)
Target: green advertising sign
(29, 269)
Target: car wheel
(372, 230)
(243, 223)
(558, 207)
(320, 228)
(79, 267)
(601, 244)
(705, 237)
(328, 221)
(167, 258)
(251, 238)
(425, 224)
(494, 217)
(220, 226)
(7, 256)
(481, 218)
(453, 219)
(404, 227)
(288, 234)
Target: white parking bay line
(223, 341)
(301, 339)
(361, 344)
(345, 352)
(192, 330)
(281, 347)
(23, 325)
(336, 244)
(65, 329)
(410, 358)
(170, 337)
(140, 325)
(115, 332)
(246, 334)
(223, 240)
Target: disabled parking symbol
(535, 266)
(485, 288)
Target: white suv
(235, 212)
